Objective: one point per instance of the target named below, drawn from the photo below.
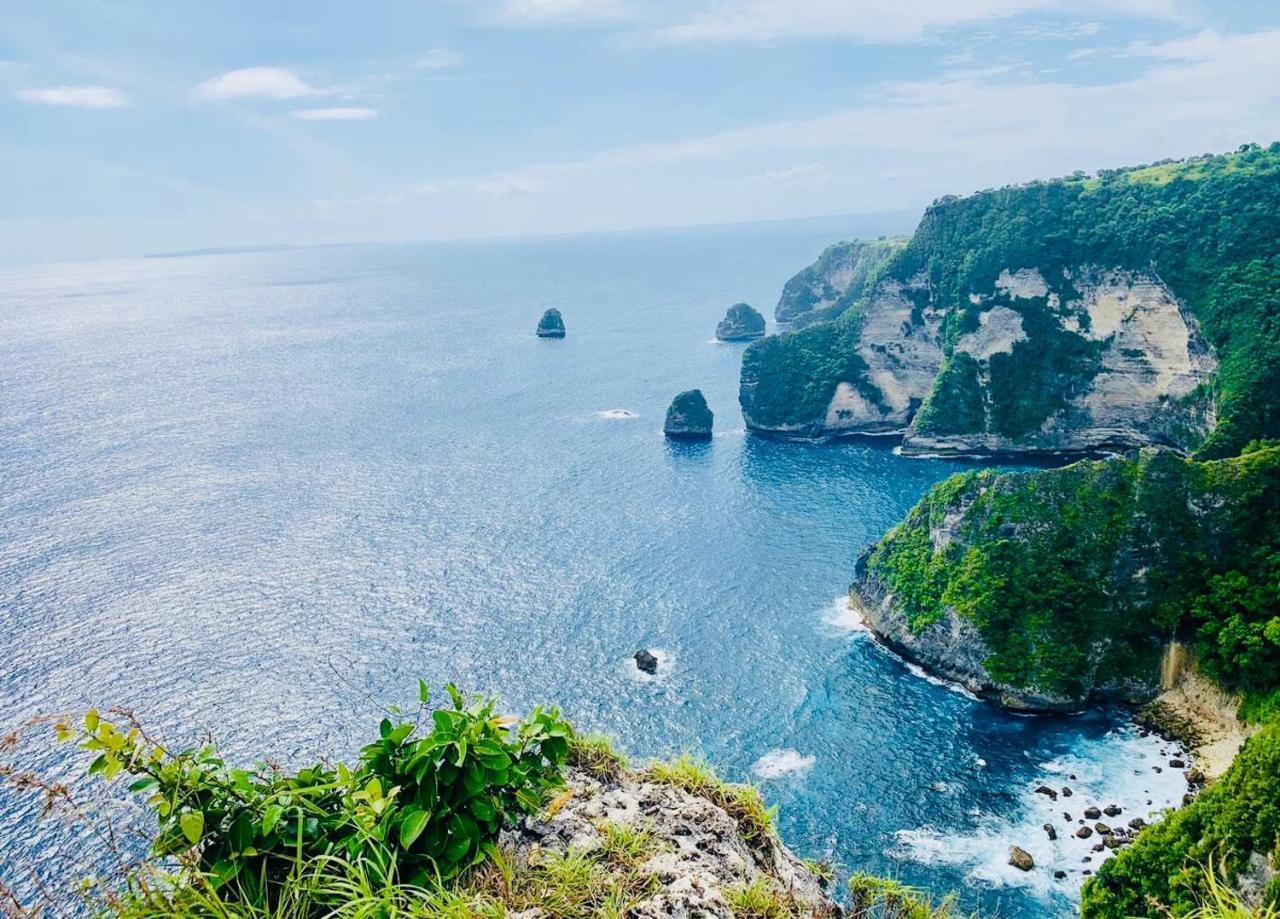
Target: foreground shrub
(418, 808)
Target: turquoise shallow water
(241, 492)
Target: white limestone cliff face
(1151, 361)
(1155, 359)
(901, 345)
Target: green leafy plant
(419, 806)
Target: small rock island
(646, 661)
(741, 323)
(689, 418)
(551, 325)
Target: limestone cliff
(1051, 590)
(1131, 367)
(834, 282)
(1074, 316)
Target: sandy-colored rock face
(902, 349)
(1000, 330)
(1217, 732)
(1153, 358)
(699, 852)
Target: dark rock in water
(1103, 829)
(688, 418)
(740, 323)
(1176, 764)
(1137, 823)
(551, 325)
(1113, 842)
(646, 662)
(1046, 790)
(1066, 792)
(1021, 858)
(1112, 810)
(1084, 832)
(1092, 813)
(1050, 831)
(1194, 776)
(1059, 874)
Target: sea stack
(551, 325)
(741, 323)
(688, 418)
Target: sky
(134, 127)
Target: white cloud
(766, 21)
(560, 12)
(256, 82)
(97, 97)
(341, 113)
(439, 59)
(901, 145)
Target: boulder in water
(551, 325)
(688, 418)
(1021, 859)
(646, 662)
(741, 323)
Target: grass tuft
(873, 897)
(742, 802)
(760, 899)
(596, 755)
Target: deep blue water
(238, 492)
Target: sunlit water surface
(241, 492)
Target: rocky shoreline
(1199, 715)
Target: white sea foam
(843, 618)
(777, 763)
(928, 677)
(617, 414)
(1116, 769)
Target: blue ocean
(253, 493)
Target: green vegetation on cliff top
(803, 295)
(1209, 227)
(1076, 577)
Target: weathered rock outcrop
(1141, 362)
(834, 282)
(950, 647)
(1077, 315)
(688, 417)
(1127, 367)
(741, 323)
(551, 325)
(695, 853)
(1052, 590)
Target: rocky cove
(474, 541)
